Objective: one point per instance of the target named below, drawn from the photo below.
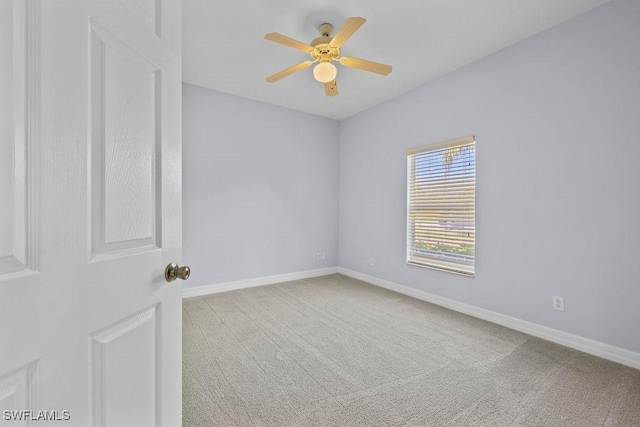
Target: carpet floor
(335, 351)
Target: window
(441, 192)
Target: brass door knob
(173, 272)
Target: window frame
(461, 268)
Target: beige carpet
(334, 351)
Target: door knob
(173, 272)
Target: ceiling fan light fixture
(325, 72)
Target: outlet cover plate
(558, 303)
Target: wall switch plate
(372, 262)
(323, 255)
(558, 303)
(319, 256)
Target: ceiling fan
(324, 50)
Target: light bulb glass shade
(325, 72)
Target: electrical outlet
(558, 303)
(323, 256)
(372, 262)
(319, 256)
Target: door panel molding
(137, 334)
(19, 126)
(124, 149)
(18, 390)
(148, 11)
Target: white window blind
(441, 190)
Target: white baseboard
(197, 291)
(596, 348)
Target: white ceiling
(224, 46)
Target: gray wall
(557, 120)
(260, 188)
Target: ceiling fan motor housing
(321, 49)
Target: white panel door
(90, 212)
